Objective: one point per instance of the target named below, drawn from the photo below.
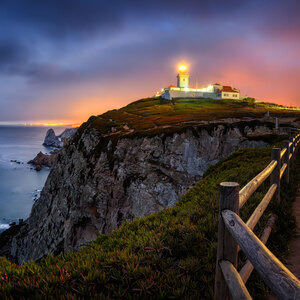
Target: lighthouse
(183, 90)
(183, 77)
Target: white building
(182, 90)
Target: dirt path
(293, 260)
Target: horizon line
(39, 124)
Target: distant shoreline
(8, 124)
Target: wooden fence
(234, 234)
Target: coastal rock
(42, 159)
(97, 183)
(67, 134)
(52, 140)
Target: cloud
(64, 51)
(11, 53)
(60, 18)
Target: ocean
(20, 184)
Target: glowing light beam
(182, 68)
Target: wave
(4, 223)
(3, 227)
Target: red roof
(170, 86)
(229, 89)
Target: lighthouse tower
(183, 77)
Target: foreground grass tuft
(167, 255)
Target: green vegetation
(153, 113)
(167, 255)
(155, 116)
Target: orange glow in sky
(51, 124)
(96, 98)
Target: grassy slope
(149, 113)
(169, 254)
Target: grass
(150, 113)
(154, 116)
(167, 255)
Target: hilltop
(142, 183)
(154, 114)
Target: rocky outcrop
(67, 134)
(97, 182)
(42, 159)
(51, 139)
(58, 141)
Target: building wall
(169, 95)
(227, 95)
(211, 95)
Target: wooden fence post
(275, 176)
(227, 247)
(286, 144)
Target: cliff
(111, 172)
(57, 141)
(88, 193)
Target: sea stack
(52, 140)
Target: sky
(65, 60)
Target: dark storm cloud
(77, 20)
(63, 17)
(63, 44)
(11, 53)
(15, 59)
(59, 18)
(25, 23)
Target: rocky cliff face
(98, 182)
(58, 141)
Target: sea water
(20, 184)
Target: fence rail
(246, 192)
(234, 234)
